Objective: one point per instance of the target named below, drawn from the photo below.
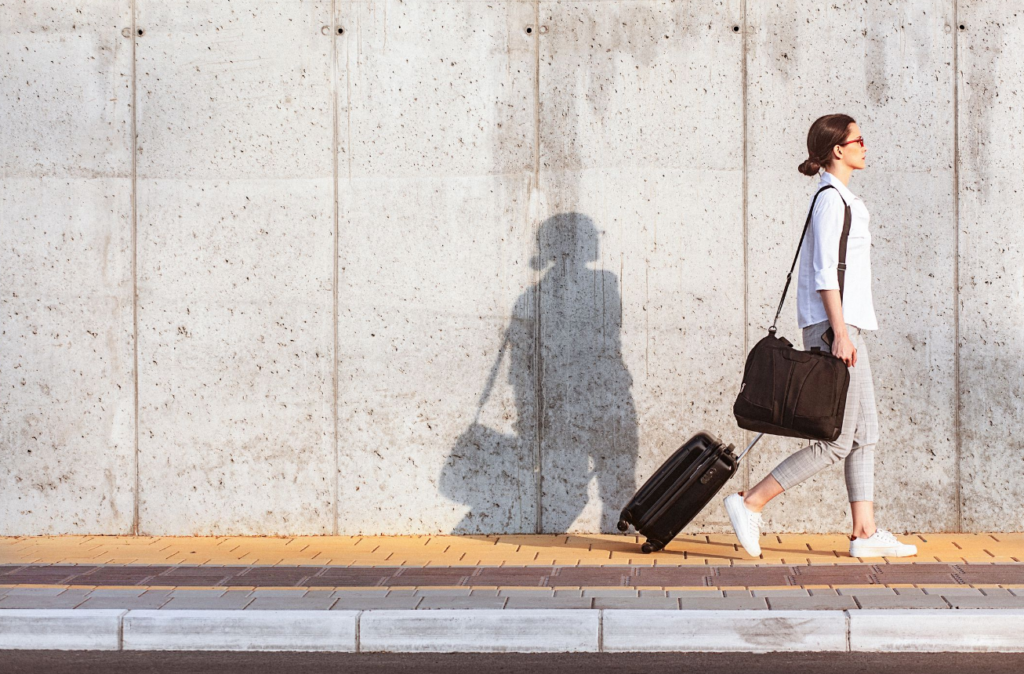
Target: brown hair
(826, 132)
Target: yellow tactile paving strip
(519, 550)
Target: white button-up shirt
(819, 259)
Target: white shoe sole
(883, 552)
(737, 513)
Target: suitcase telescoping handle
(752, 443)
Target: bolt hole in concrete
(962, 27)
(735, 29)
(141, 32)
(529, 30)
(341, 31)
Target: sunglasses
(858, 139)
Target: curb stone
(61, 629)
(519, 631)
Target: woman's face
(853, 154)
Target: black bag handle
(843, 241)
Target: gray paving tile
(483, 593)
(823, 592)
(376, 603)
(952, 591)
(430, 603)
(653, 593)
(237, 600)
(908, 601)
(549, 602)
(996, 592)
(909, 591)
(811, 603)
(636, 602)
(696, 594)
(290, 603)
(448, 592)
(1016, 591)
(986, 602)
(724, 603)
(362, 594)
(866, 591)
(738, 594)
(402, 593)
(610, 593)
(23, 601)
(116, 592)
(34, 591)
(152, 602)
(297, 592)
(568, 593)
(788, 592)
(198, 593)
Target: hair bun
(809, 167)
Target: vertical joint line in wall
(348, 106)
(538, 394)
(746, 271)
(538, 358)
(957, 443)
(334, 278)
(536, 95)
(135, 287)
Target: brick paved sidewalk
(503, 572)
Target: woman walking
(834, 144)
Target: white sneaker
(746, 523)
(881, 544)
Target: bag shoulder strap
(843, 241)
(493, 374)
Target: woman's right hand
(844, 350)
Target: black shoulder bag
(793, 393)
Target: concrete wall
(452, 265)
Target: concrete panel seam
(334, 265)
(135, 286)
(600, 631)
(846, 618)
(538, 356)
(359, 638)
(746, 267)
(957, 442)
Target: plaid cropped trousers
(856, 443)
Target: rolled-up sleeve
(827, 225)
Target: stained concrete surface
(67, 419)
(991, 259)
(891, 71)
(640, 107)
(235, 268)
(576, 177)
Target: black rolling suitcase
(680, 489)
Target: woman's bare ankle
(752, 506)
(863, 533)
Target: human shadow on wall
(575, 416)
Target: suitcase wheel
(622, 525)
(647, 548)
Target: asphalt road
(96, 662)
